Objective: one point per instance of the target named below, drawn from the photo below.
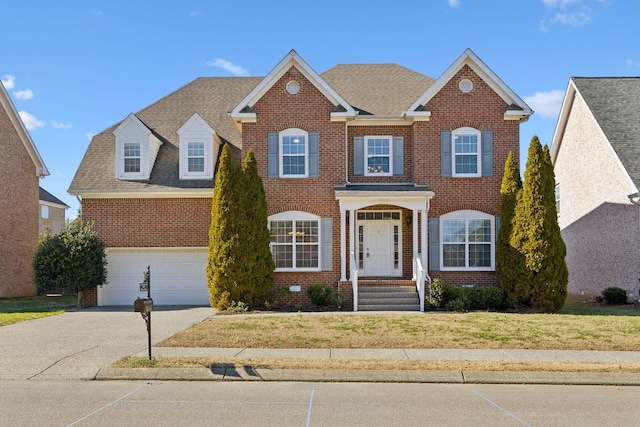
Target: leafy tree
(72, 261)
(256, 236)
(225, 261)
(509, 262)
(536, 235)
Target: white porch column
(423, 238)
(414, 214)
(352, 234)
(343, 245)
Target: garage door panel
(178, 277)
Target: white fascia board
(354, 200)
(53, 205)
(480, 68)
(23, 133)
(381, 121)
(165, 194)
(418, 116)
(565, 110)
(292, 59)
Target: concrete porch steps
(388, 298)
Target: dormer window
(136, 149)
(132, 157)
(196, 149)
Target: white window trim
(367, 156)
(290, 132)
(468, 215)
(196, 130)
(298, 216)
(142, 173)
(466, 131)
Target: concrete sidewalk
(83, 345)
(249, 373)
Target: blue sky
(75, 67)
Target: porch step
(388, 298)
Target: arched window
(467, 241)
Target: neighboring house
(20, 169)
(52, 211)
(370, 166)
(596, 157)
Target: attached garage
(178, 276)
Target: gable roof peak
(292, 59)
(23, 133)
(469, 58)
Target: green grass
(14, 310)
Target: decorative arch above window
(301, 241)
(466, 240)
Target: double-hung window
(195, 156)
(466, 152)
(131, 157)
(295, 241)
(378, 151)
(467, 241)
(294, 158)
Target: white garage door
(178, 276)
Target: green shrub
(485, 298)
(455, 298)
(614, 295)
(322, 295)
(457, 304)
(441, 293)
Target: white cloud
(9, 82)
(30, 122)
(57, 125)
(236, 70)
(575, 19)
(546, 104)
(453, 3)
(89, 135)
(23, 94)
(633, 62)
(559, 3)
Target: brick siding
(18, 213)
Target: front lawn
(14, 310)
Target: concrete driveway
(76, 345)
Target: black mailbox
(143, 305)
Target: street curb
(379, 376)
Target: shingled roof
(45, 196)
(380, 89)
(615, 105)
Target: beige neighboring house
(52, 212)
(20, 169)
(596, 157)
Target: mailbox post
(144, 306)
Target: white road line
(110, 404)
(502, 409)
(313, 389)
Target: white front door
(377, 248)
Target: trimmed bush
(614, 295)
(455, 298)
(323, 295)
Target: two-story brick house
(370, 171)
(20, 169)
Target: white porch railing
(354, 280)
(421, 277)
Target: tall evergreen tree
(256, 234)
(225, 260)
(509, 262)
(536, 235)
